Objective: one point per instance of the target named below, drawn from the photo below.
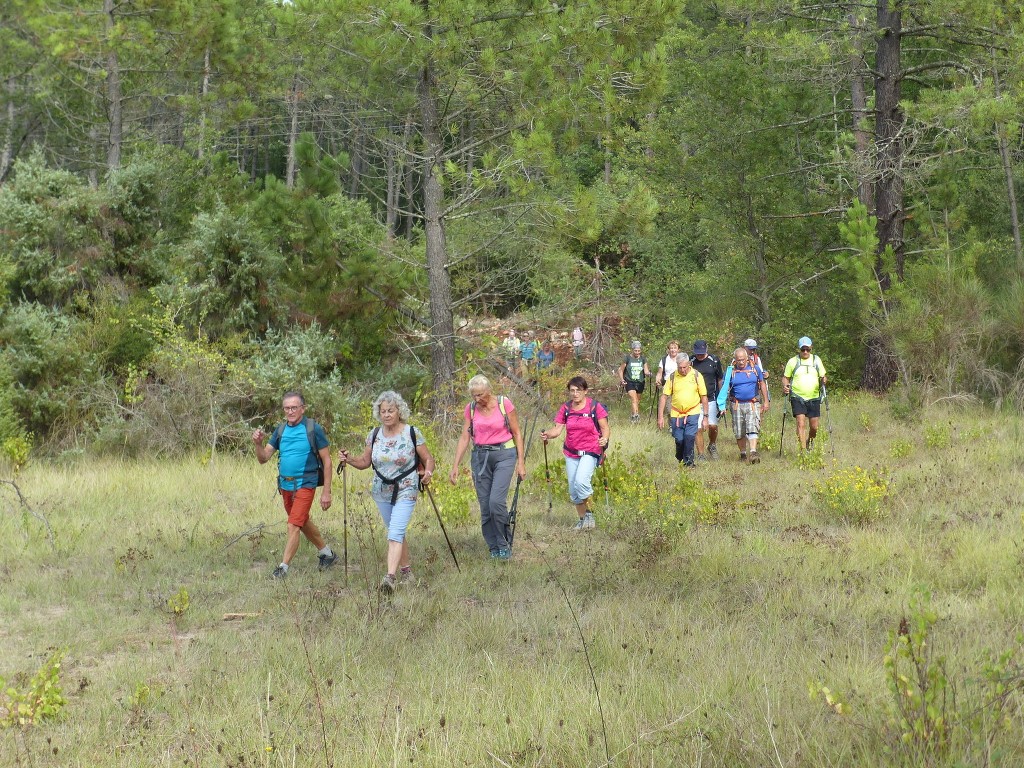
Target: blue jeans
(396, 516)
(684, 432)
(579, 471)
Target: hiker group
(695, 387)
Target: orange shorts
(297, 504)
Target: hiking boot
(713, 451)
(279, 573)
(326, 561)
(634, 419)
(589, 522)
(702, 457)
(387, 585)
(407, 578)
(494, 552)
(504, 554)
(743, 456)
(579, 524)
(755, 458)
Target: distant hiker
(578, 340)
(303, 463)
(510, 347)
(546, 356)
(528, 355)
(667, 364)
(802, 381)
(710, 367)
(743, 387)
(633, 374)
(401, 463)
(689, 397)
(755, 360)
(492, 425)
(586, 438)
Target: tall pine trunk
(115, 125)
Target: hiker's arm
(356, 462)
(551, 432)
(263, 451)
(704, 406)
(325, 494)
(785, 384)
(517, 438)
(460, 451)
(428, 463)
(765, 402)
(622, 374)
(606, 432)
(661, 410)
(647, 370)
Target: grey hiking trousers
(492, 476)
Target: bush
(853, 495)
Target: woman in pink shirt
(586, 436)
(492, 425)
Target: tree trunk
(1004, 154)
(204, 89)
(7, 153)
(442, 325)
(114, 118)
(861, 137)
(293, 133)
(879, 366)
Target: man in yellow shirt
(689, 397)
(802, 381)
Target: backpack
(312, 446)
(501, 407)
(393, 481)
(592, 415)
(814, 363)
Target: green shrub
(938, 436)
(900, 449)
(40, 700)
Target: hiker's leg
(312, 534)
(679, 435)
(572, 465)
(297, 504)
(405, 560)
(483, 479)
(581, 488)
(700, 434)
(689, 438)
(401, 514)
(504, 466)
(291, 545)
(712, 422)
(634, 400)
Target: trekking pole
(340, 472)
(828, 422)
(547, 474)
(604, 478)
(430, 495)
(654, 401)
(514, 508)
(782, 437)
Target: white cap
(750, 343)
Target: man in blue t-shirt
(298, 471)
(745, 387)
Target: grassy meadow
(730, 615)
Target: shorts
(635, 386)
(712, 415)
(810, 408)
(297, 504)
(748, 420)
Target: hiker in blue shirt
(304, 454)
(743, 385)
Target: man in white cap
(755, 359)
(802, 381)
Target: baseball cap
(805, 341)
(634, 344)
(750, 343)
(700, 347)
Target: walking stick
(604, 478)
(828, 422)
(430, 495)
(654, 400)
(782, 437)
(514, 508)
(547, 474)
(340, 472)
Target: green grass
(704, 640)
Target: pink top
(490, 429)
(581, 431)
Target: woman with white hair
(398, 454)
(491, 423)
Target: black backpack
(393, 481)
(312, 446)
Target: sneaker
(713, 451)
(579, 524)
(387, 585)
(702, 457)
(634, 419)
(407, 577)
(504, 554)
(494, 552)
(279, 573)
(754, 458)
(326, 561)
(743, 456)
(689, 464)
(588, 521)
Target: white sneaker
(579, 525)
(589, 521)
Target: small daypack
(393, 481)
(312, 446)
(592, 415)
(501, 407)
